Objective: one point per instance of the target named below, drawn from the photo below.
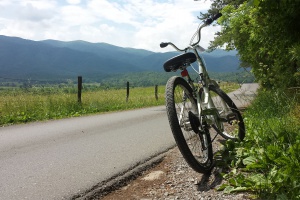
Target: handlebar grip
(210, 20)
(163, 44)
(217, 16)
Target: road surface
(243, 96)
(63, 158)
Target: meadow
(22, 105)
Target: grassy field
(43, 103)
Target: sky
(141, 24)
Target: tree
(266, 34)
(217, 6)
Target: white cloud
(138, 23)
(39, 4)
(74, 1)
(114, 12)
(177, 24)
(75, 16)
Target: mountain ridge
(56, 60)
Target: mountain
(22, 59)
(30, 59)
(126, 55)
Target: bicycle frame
(198, 110)
(205, 106)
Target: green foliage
(267, 162)
(266, 35)
(218, 5)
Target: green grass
(267, 162)
(43, 103)
(21, 106)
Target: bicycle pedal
(221, 119)
(231, 117)
(209, 111)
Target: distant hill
(56, 60)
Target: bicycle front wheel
(231, 124)
(194, 145)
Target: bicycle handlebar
(165, 44)
(206, 23)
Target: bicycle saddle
(180, 61)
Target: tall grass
(42, 103)
(268, 161)
(21, 106)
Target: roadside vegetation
(267, 162)
(21, 105)
(266, 35)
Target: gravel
(173, 179)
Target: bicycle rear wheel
(194, 145)
(230, 118)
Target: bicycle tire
(234, 127)
(195, 147)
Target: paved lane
(243, 96)
(58, 159)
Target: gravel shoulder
(172, 178)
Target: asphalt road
(243, 96)
(59, 159)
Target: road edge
(105, 187)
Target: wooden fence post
(127, 94)
(156, 89)
(79, 88)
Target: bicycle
(195, 109)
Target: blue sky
(127, 23)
